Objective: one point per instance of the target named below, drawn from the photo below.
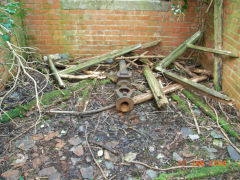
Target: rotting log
(217, 67)
(100, 59)
(208, 111)
(215, 51)
(55, 73)
(196, 87)
(178, 51)
(155, 87)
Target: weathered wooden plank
(155, 87)
(217, 67)
(215, 51)
(100, 59)
(178, 51)
(196, 87)
(150, 44)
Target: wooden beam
(197, 87)
(55, 73)
(167, 90)
(155, 87)
(215, 51)
(178, 51)
(217, 67)
(149, 57)
(150, 44)
(100, 59)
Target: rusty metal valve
(124, 92)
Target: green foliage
(177, 7)
(8, 12)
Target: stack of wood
(157, 90)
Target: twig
(194, 118)
(209, 6)
(221, 129)
(83, 113)
(159, 169)
(89, 148)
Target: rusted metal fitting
(124, 90)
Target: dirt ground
(134, 145)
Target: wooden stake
(178, 51)
(155, 87)
(217, 70)
(100, 59)
(55, 73)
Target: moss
(202, 172)
(181, 103)
(104, 81)
(55, 96)
(208, 111)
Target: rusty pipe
(124, 92)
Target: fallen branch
(100, 59)
(155, 87)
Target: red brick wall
(3, 68)
(93, 32)
(231, 42)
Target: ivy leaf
(7, 25)
(6, 37)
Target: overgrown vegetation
(11, 13)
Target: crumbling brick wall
(231, 42)
(92, 32)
